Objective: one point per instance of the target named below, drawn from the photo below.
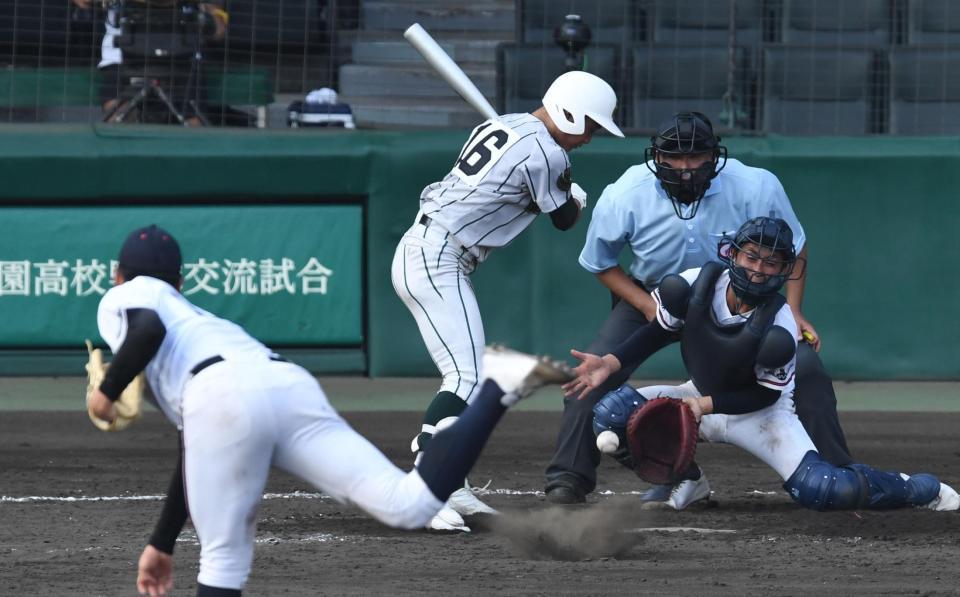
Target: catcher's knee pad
(612, 411)
(818, 485)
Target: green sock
(445, 405)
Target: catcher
(737, 344)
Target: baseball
(608, 442)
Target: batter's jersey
(193, 335)
(780, 379)
(636, 211)
(509, 170)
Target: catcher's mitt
(128, 405)
(662, 435)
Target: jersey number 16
(485, 147)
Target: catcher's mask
(151, 251)
(686, 133)
(769, 240)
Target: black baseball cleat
(565, 496)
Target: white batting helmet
(575, 95)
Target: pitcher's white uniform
(506, 173)
(773, 434)
(244, 414)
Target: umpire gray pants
(576, 456)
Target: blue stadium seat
(669, 79)
(706, 22)
(925, 91)
(838, 22)
(933, 22)
(525, 71)
(819, 90)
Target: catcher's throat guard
(662, 436)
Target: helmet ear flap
(575, 121)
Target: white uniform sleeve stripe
(776, 383)
(664, 324)
(660, 311)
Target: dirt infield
(59, 535)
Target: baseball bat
(448, 69)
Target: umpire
(672, 211)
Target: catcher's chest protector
(721, 358)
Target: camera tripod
(147, 87)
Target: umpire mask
(687, 133)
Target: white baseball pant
(430, 274)
(241, 417)
(773, 434)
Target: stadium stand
(668, 79)
(828, 90)
(924, 91)
(707, 22)
(838, 22)
(525, 71)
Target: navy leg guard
(818, 485)
(891, 490)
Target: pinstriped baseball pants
(430, 275)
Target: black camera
(152, 29)
(573, 35)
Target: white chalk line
(188, 537)
(700, 530)
(301, 495)
(295, 495)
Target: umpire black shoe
(564, 495)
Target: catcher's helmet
(151, 251)
(576, 95)
(686, 133)
(773, 234)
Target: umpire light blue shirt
(636, 211)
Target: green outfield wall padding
(880, 215)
